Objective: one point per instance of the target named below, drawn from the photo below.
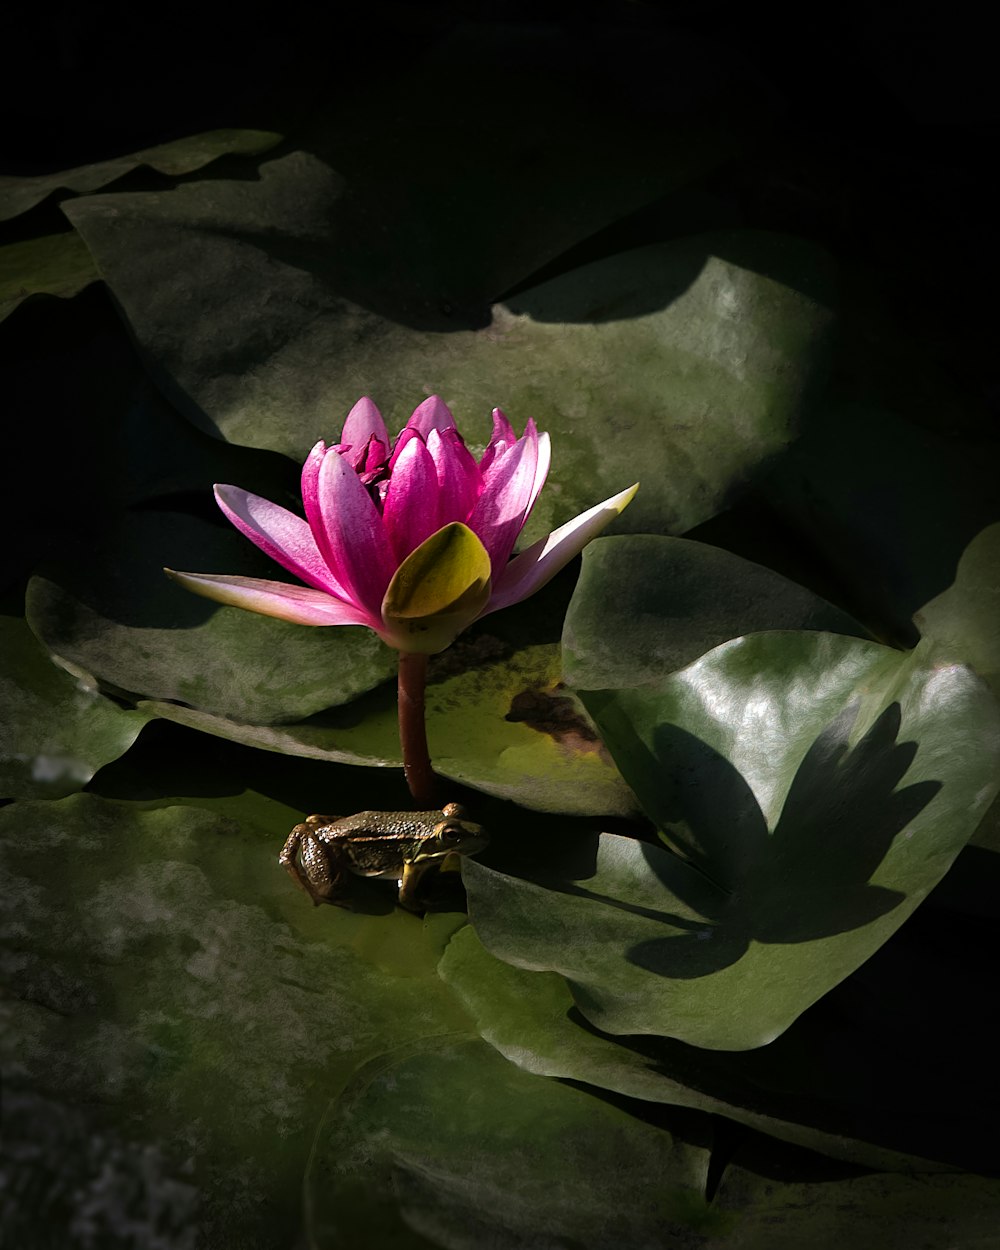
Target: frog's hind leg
(306, 861)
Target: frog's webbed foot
(309, 864)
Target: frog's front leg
(311, 863)
(409, 884)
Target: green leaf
(531, 1018)
(264, 319)
(450, 1145)
(776, 1204)
(438, 590)
(55, 732)
(171, 992)
(161, 454)
(816, 788)
(499, 722)
(647, 605)
(56, 265)
(962, 621)
(180, 156)
(477, 199)
(113, 616)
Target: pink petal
(373, 463)
(458, 478)
(432, 414)
(310, 476)
(530, 570)
(503, 436)
(541, 469)
(279, 533)
(406, 435)
(410, 510)
(298, 604)
(364, 422)
(310, 490)
(350, 534)
(499, 515)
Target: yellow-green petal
(438, 590)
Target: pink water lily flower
(412, 538)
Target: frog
(400, 846)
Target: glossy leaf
(180, 156)
(452, 1146)
(531, 1018)
(815, 787)
(55, 731)
(694, 355)
(503, 723)
(116, 618)
(56, 265)
(964, 620)
(647, 605)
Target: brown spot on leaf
(557, 715)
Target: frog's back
(377, 844)
(388, 825)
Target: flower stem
(412, 726)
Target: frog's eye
(449, 835)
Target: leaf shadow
(811, 877)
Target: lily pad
(775, 1204)
(647, 605)
(477, 199)
(56, 265)
(168, 986)
(55, 732)
(453, 1146)
(815, 788)
(179, 156)
(264, 319)
(161, 454)
(964, 620)
(503, 724)
(531, 1019)
(113, 617)
(263, 791)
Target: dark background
(882, 146)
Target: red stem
(412, 726)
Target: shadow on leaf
(811, 878)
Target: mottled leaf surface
(777, 1205)
(502, 723)
(265, 319)
(453, 1146)
(118, 619)
(19, 193)
(57, 264)
(167, 985)
(55, 731)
